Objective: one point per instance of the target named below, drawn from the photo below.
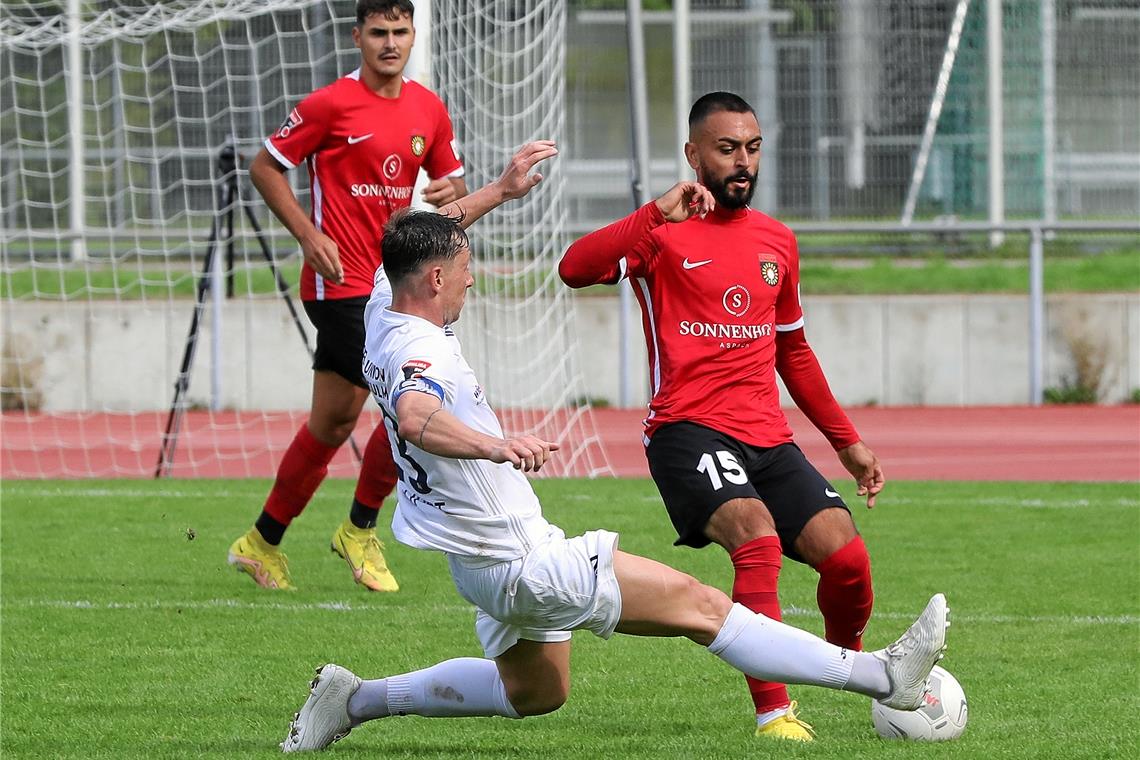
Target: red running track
(1062, 443)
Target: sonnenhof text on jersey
(381, 191)
(722, 330)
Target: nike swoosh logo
(829, 492)
(354, 140)
(694, 264)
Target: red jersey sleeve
(442, 159)
(789, 313)
(304, 129)
(606, 255)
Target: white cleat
(910, 659)
(323, 718)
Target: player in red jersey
(719, 295)
(363, 138)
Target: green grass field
(1066, 271)
(126, 635)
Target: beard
(731, 197)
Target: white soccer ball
(942, 716)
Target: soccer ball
(942, 716)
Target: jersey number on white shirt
(418, 480)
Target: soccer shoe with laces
(323, 719)
(262, 561)
(788, 726)
(360, 548)
(910, 659)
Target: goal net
(126, 213)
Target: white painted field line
(128, 493)
(940, 501)
(791, 612)
(208, 604)
(956, 617)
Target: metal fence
(845, 90)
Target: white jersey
(466, 507)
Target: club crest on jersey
(292, 120)
(770, 271)
(414, 368)
(418, 145)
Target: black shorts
(697, 469)
(340, 336)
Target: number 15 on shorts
(723, 467)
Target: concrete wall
(887, 350)
(933, 350)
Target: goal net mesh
(115, 186)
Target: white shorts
(562, 585)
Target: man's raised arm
(596, 258)
(515, 182)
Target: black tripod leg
(283, 289)
(182, 383)
(230, 238)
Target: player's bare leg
(335, 408)
(660, 601)
(536, 676)
(746, 530)
(831, 544)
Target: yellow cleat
(360, 548)
(262, 561)
(787, 726)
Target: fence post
(1036, 315)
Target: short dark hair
(391, 9)
(715, 102)
(413, 238)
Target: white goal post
(115, 119)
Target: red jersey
(363, 153)
(714, 295)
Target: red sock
(304, 466)
(757, 566)
(378, 473)
(844, 594)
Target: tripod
(229, 198)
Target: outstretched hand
(516, 179)
(525, 452)
(864, 466)
(685, 199)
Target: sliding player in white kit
(462, 492)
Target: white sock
(764, 718)
(772, 651)
(463, 687)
